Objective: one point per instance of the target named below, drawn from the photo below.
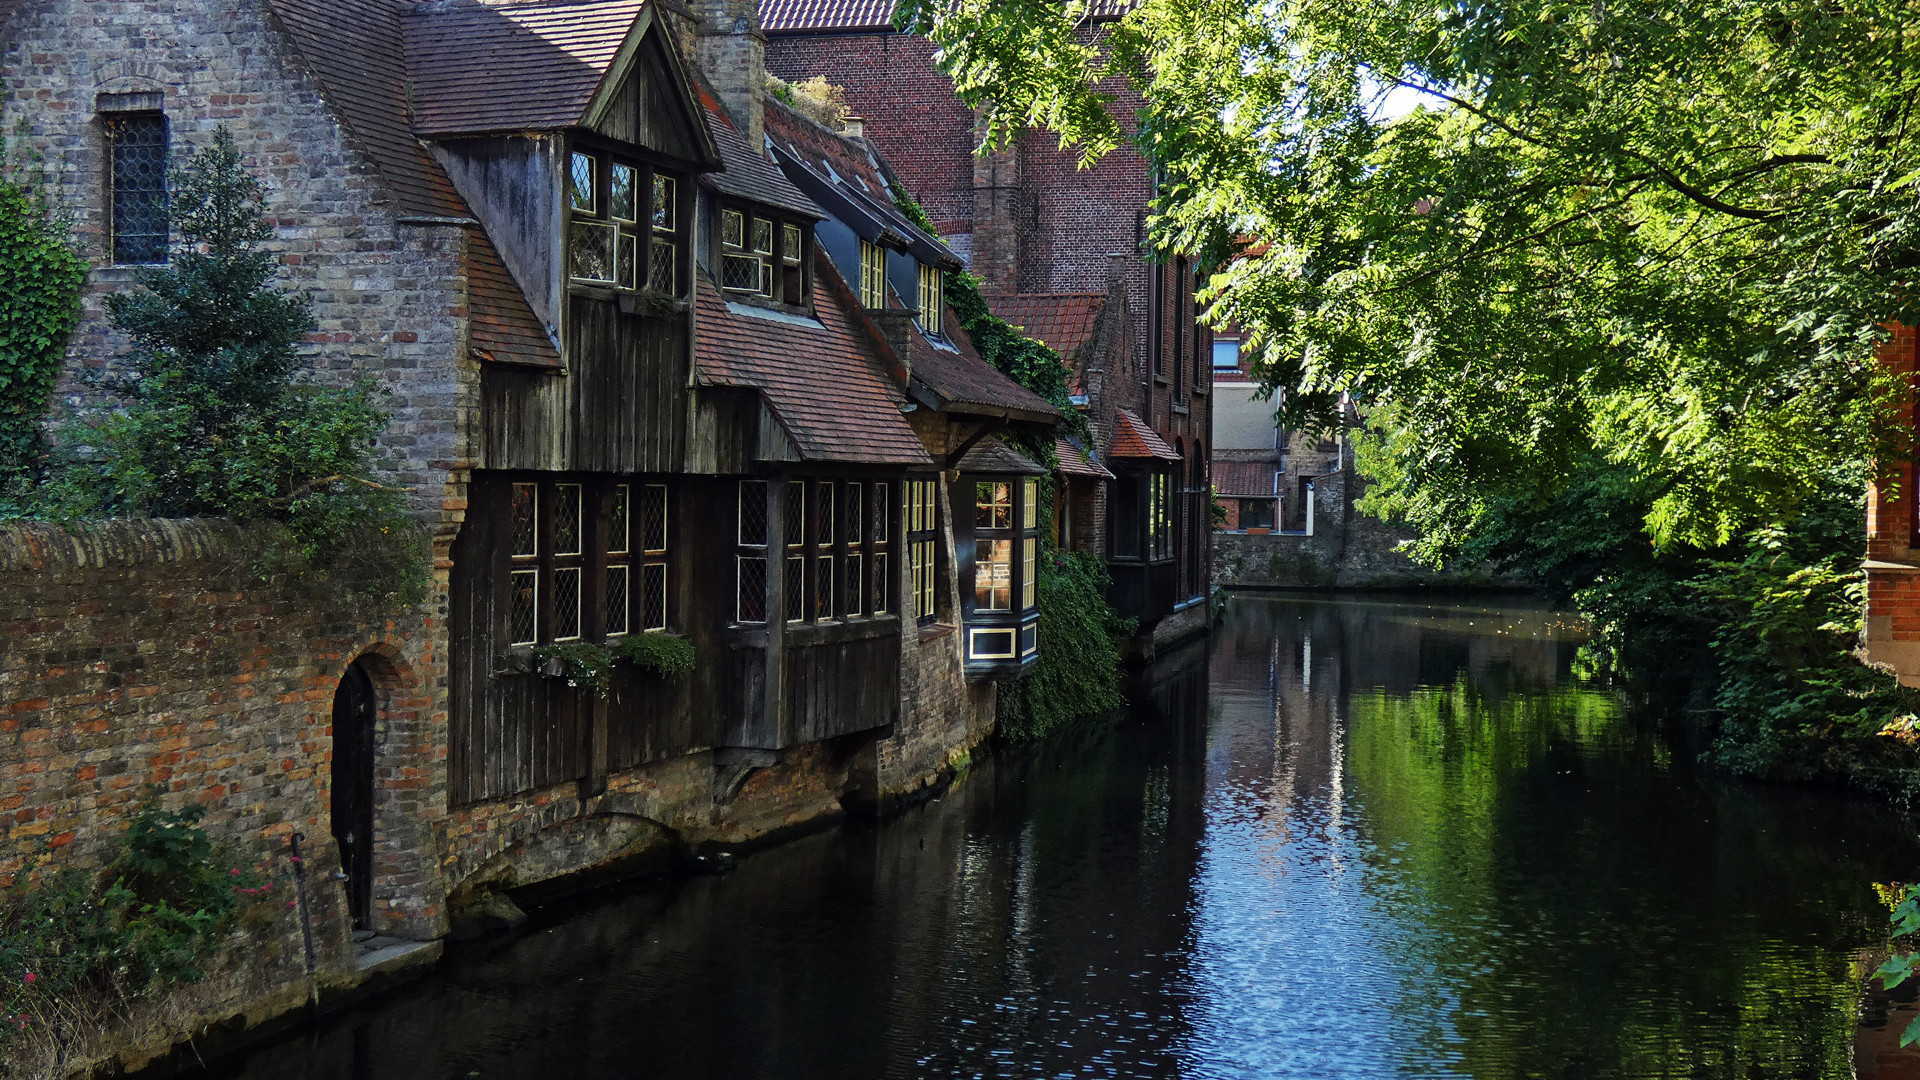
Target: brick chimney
(997, 200)
(731, 52)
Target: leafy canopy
(1660, 236)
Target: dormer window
(931, 299)
(750, 262)
(873, 275)
(625, 224)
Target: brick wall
(1893, 565)
(387, 297)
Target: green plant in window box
(666, 655)
(580, 663)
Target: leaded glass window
(607, 242)
(137, 186)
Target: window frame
(932, 299)
(657, 241)
(921, 527)
(873, 275)
(778, 268)
(593, 559)
(111, 123)
(999, 634)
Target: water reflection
(1347, 839)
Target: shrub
(74, 943)
(667, 655)
(580, 663)
(1077, 672)
(40, 278)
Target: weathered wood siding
(838, 679)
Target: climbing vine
(40, 279)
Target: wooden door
(354, 710)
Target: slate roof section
(992, 455)
(354, 50)
(1248, 478)
(960, 381)
(481, 67)
(871, 16)
(750, 175)
(822, 382)
(845, 179)
(1132, 438)
(1065, 321)
(1077, 462)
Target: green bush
(667, 655)
(580, 663)
(1077, 672)
(72, 942)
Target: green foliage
(667, 655)
(1032, 364)
(580, 663)
(220, 418)
(1753, 639)
(1663, 236)
(1077, 672)
(40, 279)
(1905, 922)
(72, 942)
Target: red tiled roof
(960, 378)
(1077, 462)
(1064, 321)
(843, 16)
(511, 67)
(749, 174)
(1244, 477)
(354, 50)
(822, 381)
(1132, 438)
(501, 326)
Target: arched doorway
(354, 711)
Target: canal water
(1345, 838)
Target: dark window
(750, 556)
(1127, 525)
(1160, 514)
(1181, 298)
(137, 186)
(762, 256)
(556, 555)
(1256, 513)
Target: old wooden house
(664, 359)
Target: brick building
(1893, 542)
(646, 376)
(1060, 251)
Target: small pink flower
(293, 903)
(31, 977)
(235, 871)
(296, 858)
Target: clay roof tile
(1133, 438)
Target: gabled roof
(1254, 478)
(1064, 321)
(1132, 438)
(996, 456)
(848, 16)
(845, 179)
(489, 66)
(1077, 462)
(819, 376)
(953, 378)
(749, 174)
(354, 50)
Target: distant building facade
(1059, 251)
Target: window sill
(935, 631)
(1180, 408)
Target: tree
(1662, 237)
(221, 416)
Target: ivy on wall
(40, 279)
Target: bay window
(762, 256)
(1004, 540)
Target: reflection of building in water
(1303, 659)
